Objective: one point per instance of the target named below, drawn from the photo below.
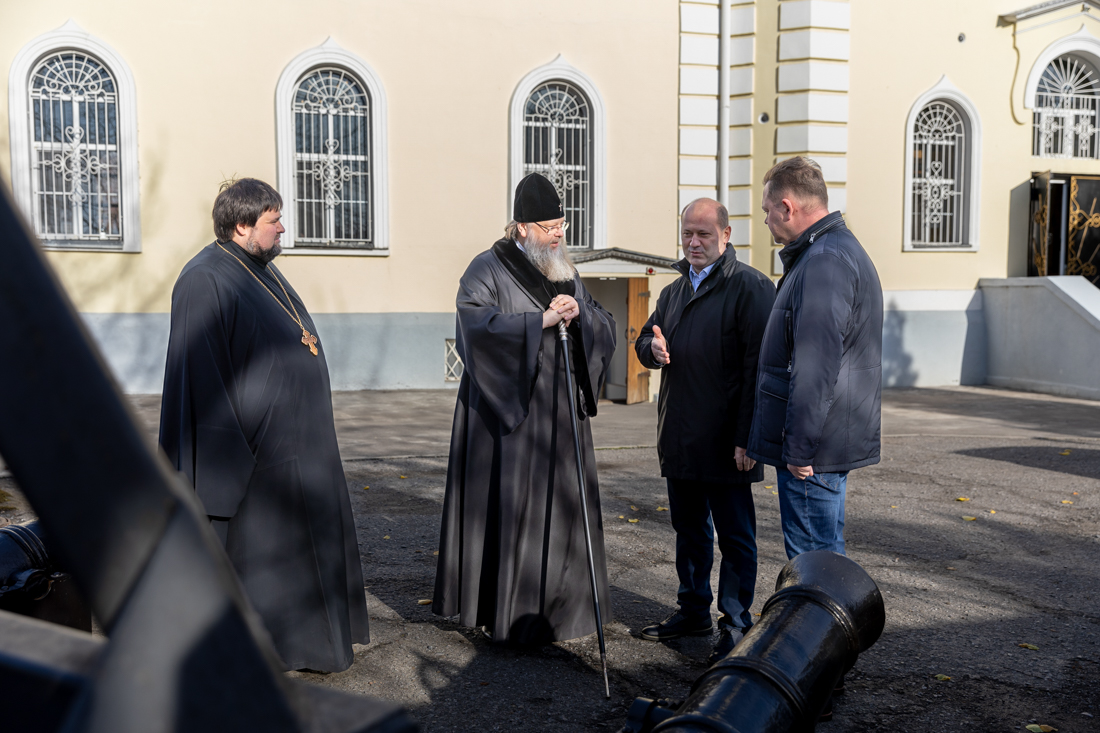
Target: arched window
(74, 122)
(74, 142)
(557, 142)
(1066, 102)
(330, 126)
(942, 169)
(939, 176)
(557, 129)
(333, 157)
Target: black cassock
(247, 417)
(512, 554)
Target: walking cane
(564, 336)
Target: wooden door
(637, 308)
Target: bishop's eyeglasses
(564, 226)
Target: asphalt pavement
(981, 526)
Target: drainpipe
(724, 101)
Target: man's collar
(521, 248)
(791, 252)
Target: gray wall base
(1043, 334)
(364, 350)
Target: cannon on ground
(826, 610)
(32, 584)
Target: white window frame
(1081, 43)
(71, 37)
(330, 53)
(946, 91)
(560, 69)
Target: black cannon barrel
(825, 611)
(31, 584)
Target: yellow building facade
(395, 133)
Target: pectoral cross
(309, 340)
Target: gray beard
(251, 247)
(553, 262)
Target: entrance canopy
(616, 262)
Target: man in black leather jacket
(819, 382)
(704, 336)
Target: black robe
(512, 554)
(246, 416)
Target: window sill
(334, 252)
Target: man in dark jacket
(704, 336)
(819, 385)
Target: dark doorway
(1064, 235)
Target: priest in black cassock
(512, 553)
(247, 417)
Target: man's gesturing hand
(562, 308)
(801, 472)
(744, 463)
(659, 347)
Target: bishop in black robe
(247, 417)
(512, 553)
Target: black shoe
(728, 638)
(678, 625)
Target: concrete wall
(1044, 334)
(933, 338)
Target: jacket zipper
(787, 337)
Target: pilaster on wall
(699, 102)
(811, 111)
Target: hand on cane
(562, 308)
(659, 347)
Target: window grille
(1065, 114)
(452, 362)
(557, 135)
(939, 187)
(76, 185)
(333, 173)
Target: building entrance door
(637, 306)
(1064, 234)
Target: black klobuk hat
(536, 200)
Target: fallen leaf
(365, 488)
(756, 614)
(992, 511)
(942, 677)
(634, 508)
(767, 487)
(775, 492)
(893, 506)
(632, 521)
(1032, 647)
(963, 498)
(436, 552)
(1066, 501)
(386, 537)
(970, 519)
(621, 517)
(1076, 494)
(1066, 452)
(424, 602)
(662, 509)
(1040, 728)
(401, 477)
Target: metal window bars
(557, 132)
(939, 177)
(452, 362)
(76, 183)
(332, 128)
(1065, 115)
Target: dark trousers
(697, 509)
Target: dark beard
(263, 256)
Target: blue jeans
(812, 511)
(692, 505)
